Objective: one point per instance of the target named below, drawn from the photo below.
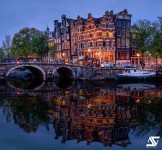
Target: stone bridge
(44, 70)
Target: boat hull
(129, 78)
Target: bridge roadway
(43, 70)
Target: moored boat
(136, 75)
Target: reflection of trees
(26, 85)
(20, 84)
(28, 113)
(147, 116)
(95, 114)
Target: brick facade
(122, 24)
(105, 39)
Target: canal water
(69, 115)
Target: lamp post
(89, 52)
(156, 61)
(100, 54)
(138, 55)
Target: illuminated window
(110, 34)
(99, 34)
(127, 55)
(122, 55)
(127, 43)
(104, 34)
(123, 42)
(118, 43)
(123, 32)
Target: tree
(1, 53)
(145, 33)
(39, 44)
(6, 44)
(29, 42)
(53, 51)
(156, 46)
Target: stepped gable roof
(124, 12)
(97, 20)
(69, 19)
(83, 20)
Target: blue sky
(17, 14)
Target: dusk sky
(17, 14)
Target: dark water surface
(68, 115)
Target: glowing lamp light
(17, 62)
(89, 50)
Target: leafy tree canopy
(1, 53)
(156, 46)
(29, 42)
(53, 50)
(6, 44)
(145, 33)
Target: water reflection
(24, 85)
(91, 112)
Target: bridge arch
(36, 70)
(64, 71)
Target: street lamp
(138, 55)
(63, 54)
(89, 52)
(156, 61)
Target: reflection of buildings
(98, 115)
(91, 119)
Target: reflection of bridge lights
(138, 100)
(17, 62)
(18, 93)
(89, 105)
(138, 55)
(89, 50)
(63, 102)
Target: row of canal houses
(105, 39)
